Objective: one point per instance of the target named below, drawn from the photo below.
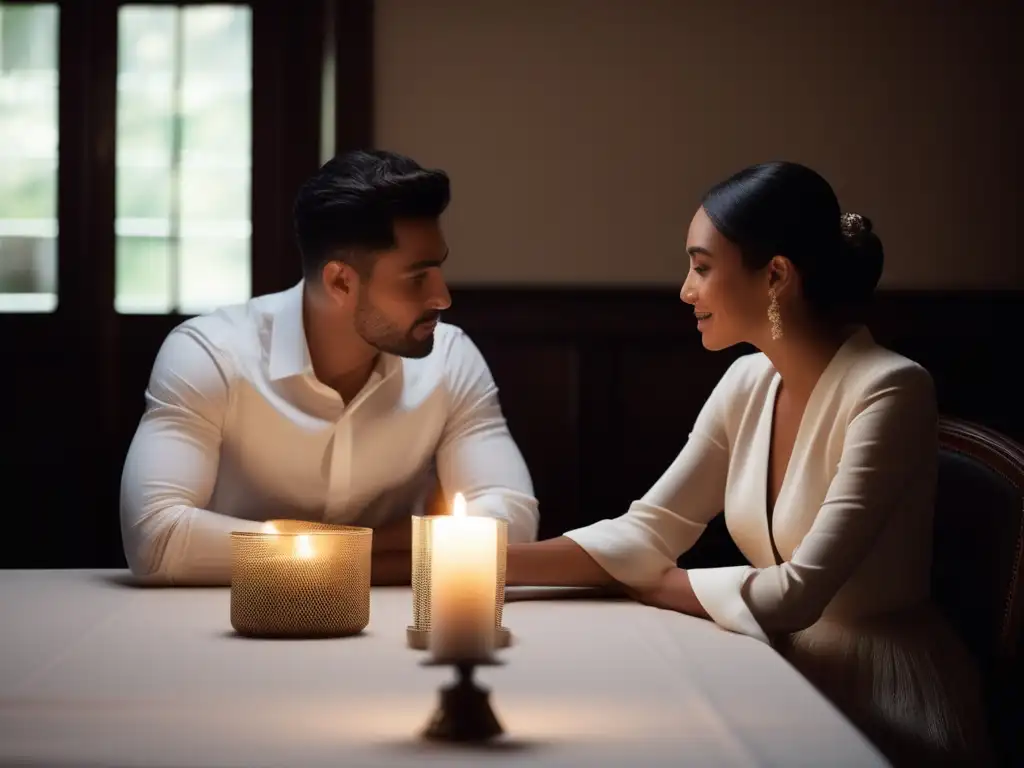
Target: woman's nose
(686, 293)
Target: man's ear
(340, 281)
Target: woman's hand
(673, 593)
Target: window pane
(144, 193)
(144, 275)
(184, 157)
(212, 193)
(210, 267)
(28, 157)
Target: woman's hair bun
(855, 227)
(786, 209)
(865, 257)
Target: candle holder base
(464, 712)
(419, 639)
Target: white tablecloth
(97, 673)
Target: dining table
(96, 670)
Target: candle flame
(269, 528)
(303, 547)
(459, 506)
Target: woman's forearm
(559, 562)
(674, 593)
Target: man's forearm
(183, 546)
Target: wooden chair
(977, 571)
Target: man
(342, 399)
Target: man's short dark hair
(347, 210)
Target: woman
(822, 452)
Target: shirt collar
(289, 353)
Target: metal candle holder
(418, 635)
(301, 580)
(464, 712)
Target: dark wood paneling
(641, 376)
(352, 22)
(661, 388)
(57, 368)
(599, 387)
(288, 55)
(538, 392)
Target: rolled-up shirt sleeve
(890, 440)
(638, 547)
(477, 455)
(171, 469)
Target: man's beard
(379, 332)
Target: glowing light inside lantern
(459, 506)
(269, 528)
(303, 547)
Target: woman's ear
(781, 275)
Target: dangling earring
(773, 314)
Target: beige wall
(579, 134)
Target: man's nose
(441, 298)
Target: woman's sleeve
(890, 440)
(637, 547)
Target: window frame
(79, 373)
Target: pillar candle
(463, 586)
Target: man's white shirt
(238, 430)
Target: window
(184, 158)
(28, 157)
